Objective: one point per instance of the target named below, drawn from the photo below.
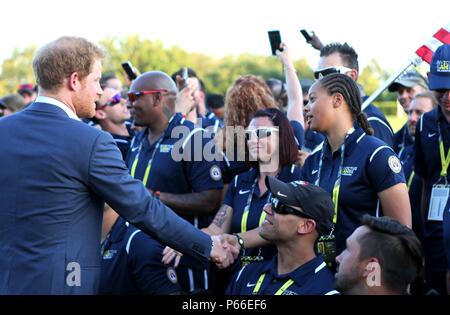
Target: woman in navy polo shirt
(362, 173)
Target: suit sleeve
(110, 180)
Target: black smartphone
(307, 35)
(129, 70)
(275, 41)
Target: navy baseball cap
(26, 88)
(314, 201)
(409, 79)
(440, 69)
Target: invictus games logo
(394, 164)
(443, 66)
(172, 275)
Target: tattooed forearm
(221, 216)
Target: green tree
(16, 70)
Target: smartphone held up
(275, 41)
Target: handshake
(224, 251)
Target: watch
(239, 239)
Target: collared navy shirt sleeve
(385, 170)
(148, 273)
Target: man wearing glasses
(297, 214)
(168, 157)
(111, 112)
(342, 58)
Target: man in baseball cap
(298, 212)
(407, 87)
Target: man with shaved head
(168, 157)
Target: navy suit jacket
(55, 174)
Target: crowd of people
(277, 188)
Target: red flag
(441, 37)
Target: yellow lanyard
(280, 291)
(247, 210)
(445, 160)
(149, 164)
(410, 179)
(337, 183)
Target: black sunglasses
(281, 208)
(318, 74)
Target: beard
(346, 282)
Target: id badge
(326, 245)
(438, 200)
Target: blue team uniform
(402, 139)
(414, 184)
(369, 167)
(428, 166)
(165, 174)
(312, 278)
(131, 264)
(312, 140)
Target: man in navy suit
(56, 174)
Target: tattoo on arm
(221, 216)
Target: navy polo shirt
(237, 197)
(131, 263)
(428, 166)
(191, 174)
(370, 166)
(446, 232)
(414, 183)
(230, 166)
(402, 139)
(312, 278)
(211, 122)
(312, 139)
(381, 127)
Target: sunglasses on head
(133, 96)
(281, 208)
(318, 74)
(113, 100)
(259, 133)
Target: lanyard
(149, 165)
(247, 209)
(337, 184)
(280, 291)
(445, 160)
(410, 180)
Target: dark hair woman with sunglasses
(272, 151)
(361, 172)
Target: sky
(388, 31)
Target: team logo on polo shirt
(165, 148)
(395, 164)
(348, 170)
(172, 275)
(109, 254)
(215, 173)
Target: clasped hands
(223, 253)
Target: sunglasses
(133, 96)
(281, 208)
(319, 74)
(113, 100)
(259, 133)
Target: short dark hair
(215, 101)
(105, 77)
(397, 248)
(347, 53)
(287, 145)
